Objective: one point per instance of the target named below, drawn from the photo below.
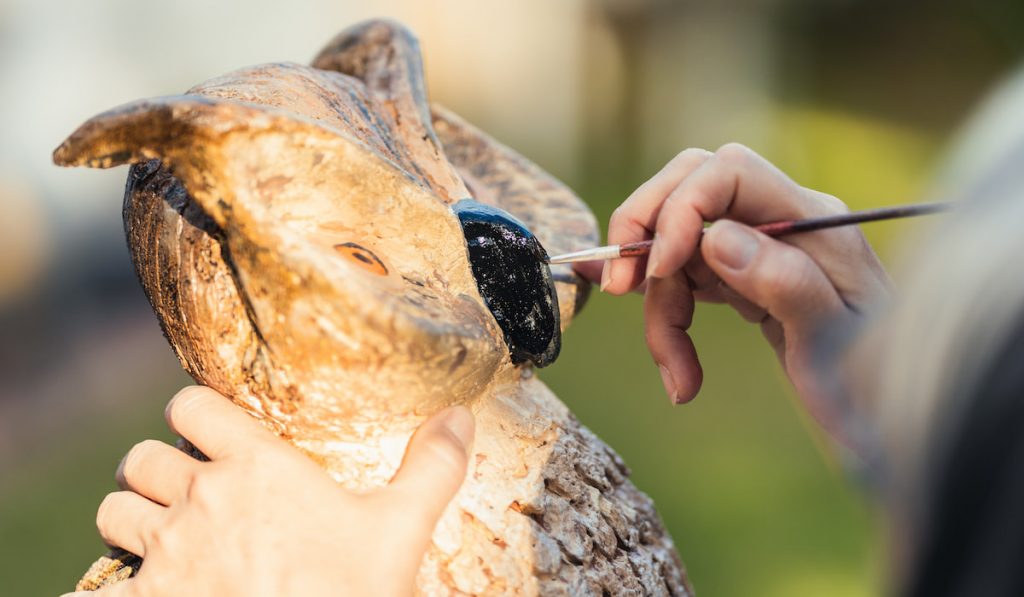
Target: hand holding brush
(790, 286)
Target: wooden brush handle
(784, 227)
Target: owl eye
(511, 271)
(362, 257)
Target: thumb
(776, 276)
(436, 460)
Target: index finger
(735, 181)
(635, 219)
(216, 426)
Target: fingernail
(734, 245)
(458, 420)
(670, 384)
(606, 275)
(653, 258)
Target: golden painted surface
(241, 192)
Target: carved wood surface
(292, 230)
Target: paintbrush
(780, 228)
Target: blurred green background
(856, 98)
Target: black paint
(512, 274)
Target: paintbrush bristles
(596, 254)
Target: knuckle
(202, 489)
(619, 217)
(833, 205)
(690, 154)
(156, 538)
(672, 202)
(734, 153)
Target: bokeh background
(858, 98)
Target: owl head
(328, 248)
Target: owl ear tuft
(141, 131)
(385, 56)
